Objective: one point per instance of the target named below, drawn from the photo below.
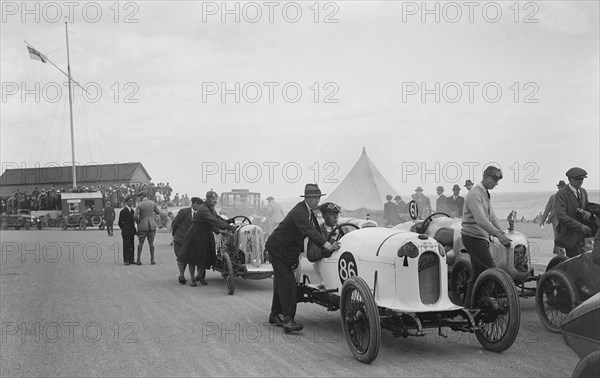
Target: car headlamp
(408, 249)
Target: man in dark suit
(109, 218)
(549, 216)
(128, 232)
(440, 204)
(455, 203)
(284, 246)
(569, 205)
(179, 227)
(390, 212)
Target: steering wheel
(341, 233)
(429, 219)
(244, 219)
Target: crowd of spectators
(50, 199)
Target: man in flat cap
(569, 205)
(179, 227)
(284, 246)
(144, 216)
(198, 247)
(275, 213)
(549, 216)
(331, 213)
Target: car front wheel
(495, 296)
(82, 224)
(4, 224)
(63, 224)
(459, 282)
(27, 225)
(360, 319)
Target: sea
(526, 204)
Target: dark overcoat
(568, 232)
(198, 246)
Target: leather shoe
(275, 319)
(292, 326)
(138, 263)
(182, 280)
(193, 283)
(202, 281)
(126, 262)
(152, 263)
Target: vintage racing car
(566, 285)
(394, 279)
(581, 332)
(516, 260)
(242, 254)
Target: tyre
(589, 366)
(63, 224)
(17, 228)
(96, 220)
(496, 296)
(555, 297)
(27, 226)
(4, 225)
(459, 281)
(360, 319)
(82, 224)
(228, 273)
(39, 225)
(555, 261)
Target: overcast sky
(271, 95)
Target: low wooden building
(59, 177)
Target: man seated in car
(314, 253)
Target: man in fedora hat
(179, 227)
(390, 212)
(468, 184)
(569, 205)
(456, 202)
(549, 216)
(423, 204)
(442, 200)
(284, 247)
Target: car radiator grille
(429, 277)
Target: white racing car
(397, 280)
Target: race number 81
(346, 267)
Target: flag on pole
(36, 55)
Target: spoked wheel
(360, 319)
(459, 283)
(555, 297)
(228, 273)
(82, 224)
(495, 294)
(63, 224)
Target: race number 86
(347, 267)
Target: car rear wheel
(555, 297)
(496, 296)
(228, 273)
(63, 224)
(360, 319)
(82, 224)
(459, 281)
(4, 224)
(589, 366)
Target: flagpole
(71, 109)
